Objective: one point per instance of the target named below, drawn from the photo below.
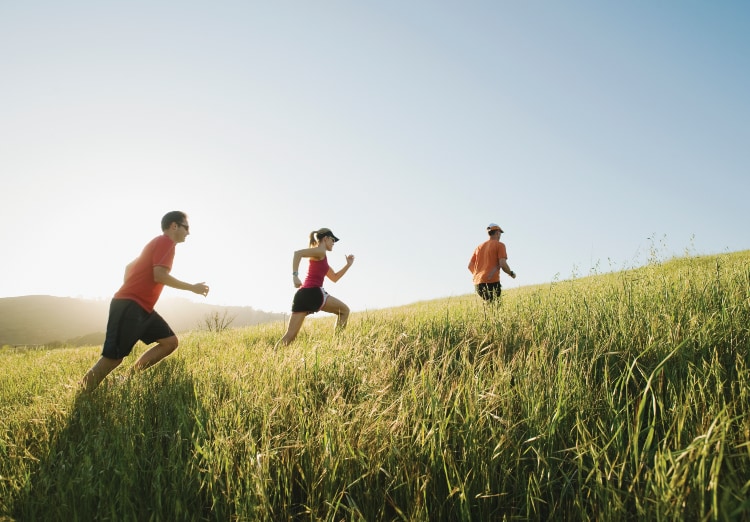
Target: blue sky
(592, 132)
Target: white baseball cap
(494, 226)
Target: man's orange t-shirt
(139, 283)
(485, 263)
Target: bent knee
(170, 343)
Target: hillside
(616, 397)
(40, 319)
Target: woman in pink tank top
(310, 296)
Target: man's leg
(157, 352)
(98, 372)
(495, 291)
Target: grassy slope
(618, 396)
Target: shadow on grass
(125, 453)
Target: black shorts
(129, 323)
(309, 300)
(489, 291)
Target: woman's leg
(295, 323)
(334, 306)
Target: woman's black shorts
(309, 300)
(128, 323)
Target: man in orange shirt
(489, 258)
(131, 313)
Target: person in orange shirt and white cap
(488, 259)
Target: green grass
(622, 396)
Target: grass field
(622, 396)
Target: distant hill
(48, 320)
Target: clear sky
(591, 131)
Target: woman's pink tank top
(316, 273)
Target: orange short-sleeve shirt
(139, 285)
(485, 262)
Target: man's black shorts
(128, 323)
(309, 300)
(489, 291)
